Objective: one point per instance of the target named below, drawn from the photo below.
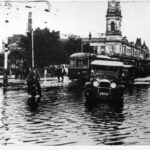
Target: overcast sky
(77, 17)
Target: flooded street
(62, 117)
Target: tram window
(73, 63)
(79, 63)
(85, 62)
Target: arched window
(112, 26)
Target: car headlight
(113, 85)
(95, 84)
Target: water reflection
(33, 103)
(116, 107)
(63, 117)
(4, 123)
(107, 119)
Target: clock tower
(113, 20)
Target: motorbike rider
(34, 77)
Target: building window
(73, 63)
(95, 49)
(133, 52)
(124, 50)
(103, 49)
(112, 26)
(99, 50)
(78, 62)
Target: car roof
(107, 63)
(128, 66)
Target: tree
(16, 57)
(73, 45)
(48, 49)
(17, 61)
(88, 48)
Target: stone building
(113, 43)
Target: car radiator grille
(104, 85)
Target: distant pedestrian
(45, 72)
(63, 72)
(58, 72)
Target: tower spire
(113, 19)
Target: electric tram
(79, 66)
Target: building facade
(113, 43)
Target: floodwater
(62, 117)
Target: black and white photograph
(75, 73)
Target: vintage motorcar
(106, 81)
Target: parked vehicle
(79, 67)
(106, 81)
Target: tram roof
(107, 63)
(81, 55)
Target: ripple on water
(61, 117)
